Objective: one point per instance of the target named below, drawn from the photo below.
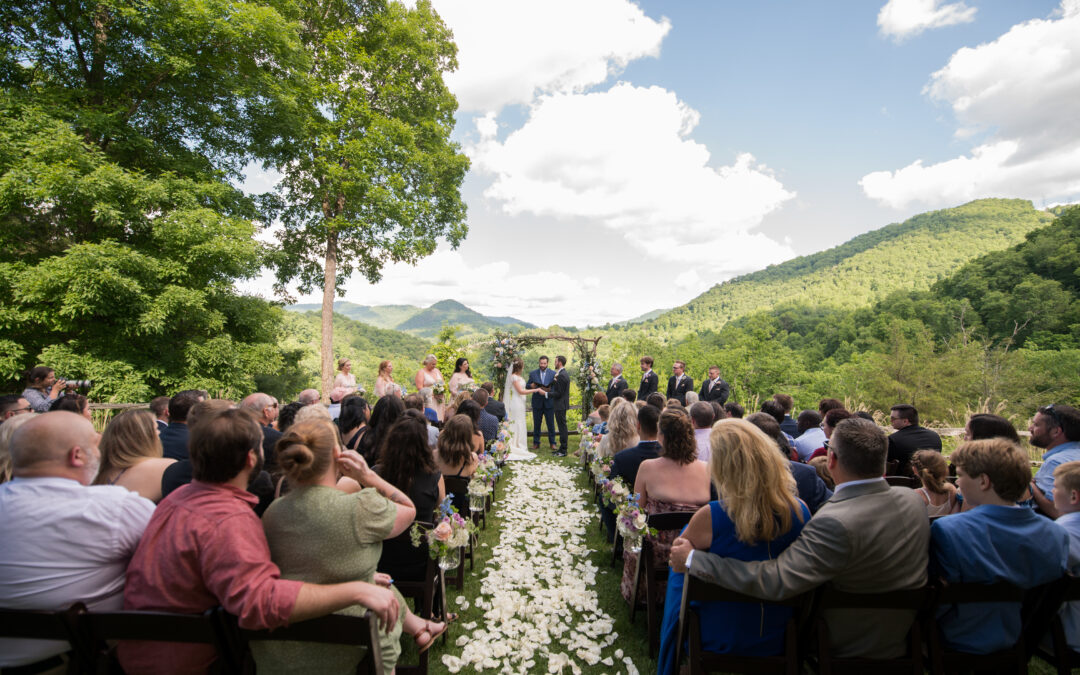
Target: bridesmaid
(425, 379)
(384, 381)
(462, 375)
(345, 378)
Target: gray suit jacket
(866, 539)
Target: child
(1067, 503)
(994, 541)
(938, 494)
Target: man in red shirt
(205, 547)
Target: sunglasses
(1054, 414)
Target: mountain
(418, 321)
(427, 322)
(912, 255)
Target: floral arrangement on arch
(451, 532)
(590, 376)
(505, 347)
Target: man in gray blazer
(867, 538)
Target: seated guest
(494, 406)
(205, 547)
(985, 425)
(7, 430)
(848, 543)
(623, 432)
(811, 489)
(1055, 429)
(701, 416)
(756, 517)
(71, 402)
(821, 465)
(352, 423)
(455, 454)
(320, 534)
(629, 394)
(603, 413)
(159, 406)
(598, 399)
(691, 398)
(937, 493)
(827, 404)
(994, 541)
(1067, 503)
(735, 410)
(131, 455)
(406, 462)
(309, 397)
(174, 438)
(908, 437)
(719, 413)
(773, 408)
(788, 425)
(416, 402)
(657, 400)
(456, 402)
(12, 405)
(65, 541)
(672, 481)
(287, 415)
(337, 395)
(470, 409)
(386, 411)
(265, 410)
(486, 422)
(810, 435)
(832, 418)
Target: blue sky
(628, 156)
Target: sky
(626, 157)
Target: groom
(560, 398)
(542, 405)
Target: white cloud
(508, 50)
(1021, 89)
(902, 19)
(623, 158)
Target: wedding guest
(832, 418)
(65, 540)
(159, 406)
(337, 395)
(788, 425)
(407, 463)
(265, 410)
(734, 410)
(756, 518)
(691, 398)
(888, 553)
(622, 431)
(993, 542)
(812, 490)
(827, 404)
(486, 422)
(494, 406)
(673, 481)
(71, 402)
(12, 405)
(205, 547)
(353, 421)
(131, 455)
(630, 395)
(714, 388)
(7, 430)
(384, 381)
(416, 402)
(598, 399)
(42, 388)
(174, 438)
(985, 425)
(316, 411)
(773, 408)
(455, 454)
(425, 380)
(679, 383)
(470, 409)
(650, 382)
(309, 397)
(810, 435)
(702, 417)
(656, 400)
(719, 413)
(320, 534)
(937, 493)
(462, 376)
(1067, 503)
(345, 378)
(386, 411)
(287, 415)
(603, 413)
(617, 384)
(821, 465)
(456, 401)
(1055, 429)
(908, 437)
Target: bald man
(66, 540)
(265, 410)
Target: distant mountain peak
(449, 304)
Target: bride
(514, 394)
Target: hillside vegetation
(420, 321)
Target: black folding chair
(654, 575)
(59, 625)
(1060, 655)
(209, 628)
(334, 629)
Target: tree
(369, 173)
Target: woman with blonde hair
(384, 381)
(621, 429)
(320, 534)
(345, 377)
(131, 454)
(425, 381)
(756, 518)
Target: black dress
(400, 559)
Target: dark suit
(811, 488)
(616, 388)
(542, 406)
(496, 408)
(904, 442)
(677, 390)
(161, 426)
(174, 441)
(270, 439)
(649, 384)
(718, 392)
(788, 426)
(560, 400)
(852, 545)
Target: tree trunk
(329, 288)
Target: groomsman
(679, 383)
(560, 398)
(649, 381)
(714, 388)
(617, 384)
(542, 405)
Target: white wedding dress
(515, 413)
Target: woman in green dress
(322, 534)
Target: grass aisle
(543, 596)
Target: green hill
(912, 255)
(427, 322)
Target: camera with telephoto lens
(78, 385)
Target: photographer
(42, 388)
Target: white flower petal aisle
(541, 611)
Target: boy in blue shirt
(1067, 502)
(994, 541)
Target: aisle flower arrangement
(614, 493)
(632, 523)
(504, 440)
(541, 608)
(450, 534)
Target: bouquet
(450, 533)
(614, 493)
(469, 386)
(439, 388)
(632, 524)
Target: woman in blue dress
(757, 516)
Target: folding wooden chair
(654, 575)
(919, 601)
(59, 625)
(459, 487)
(423, 594)
(701, 661)
(1059, 654)
(335, 629)
(208, 628)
